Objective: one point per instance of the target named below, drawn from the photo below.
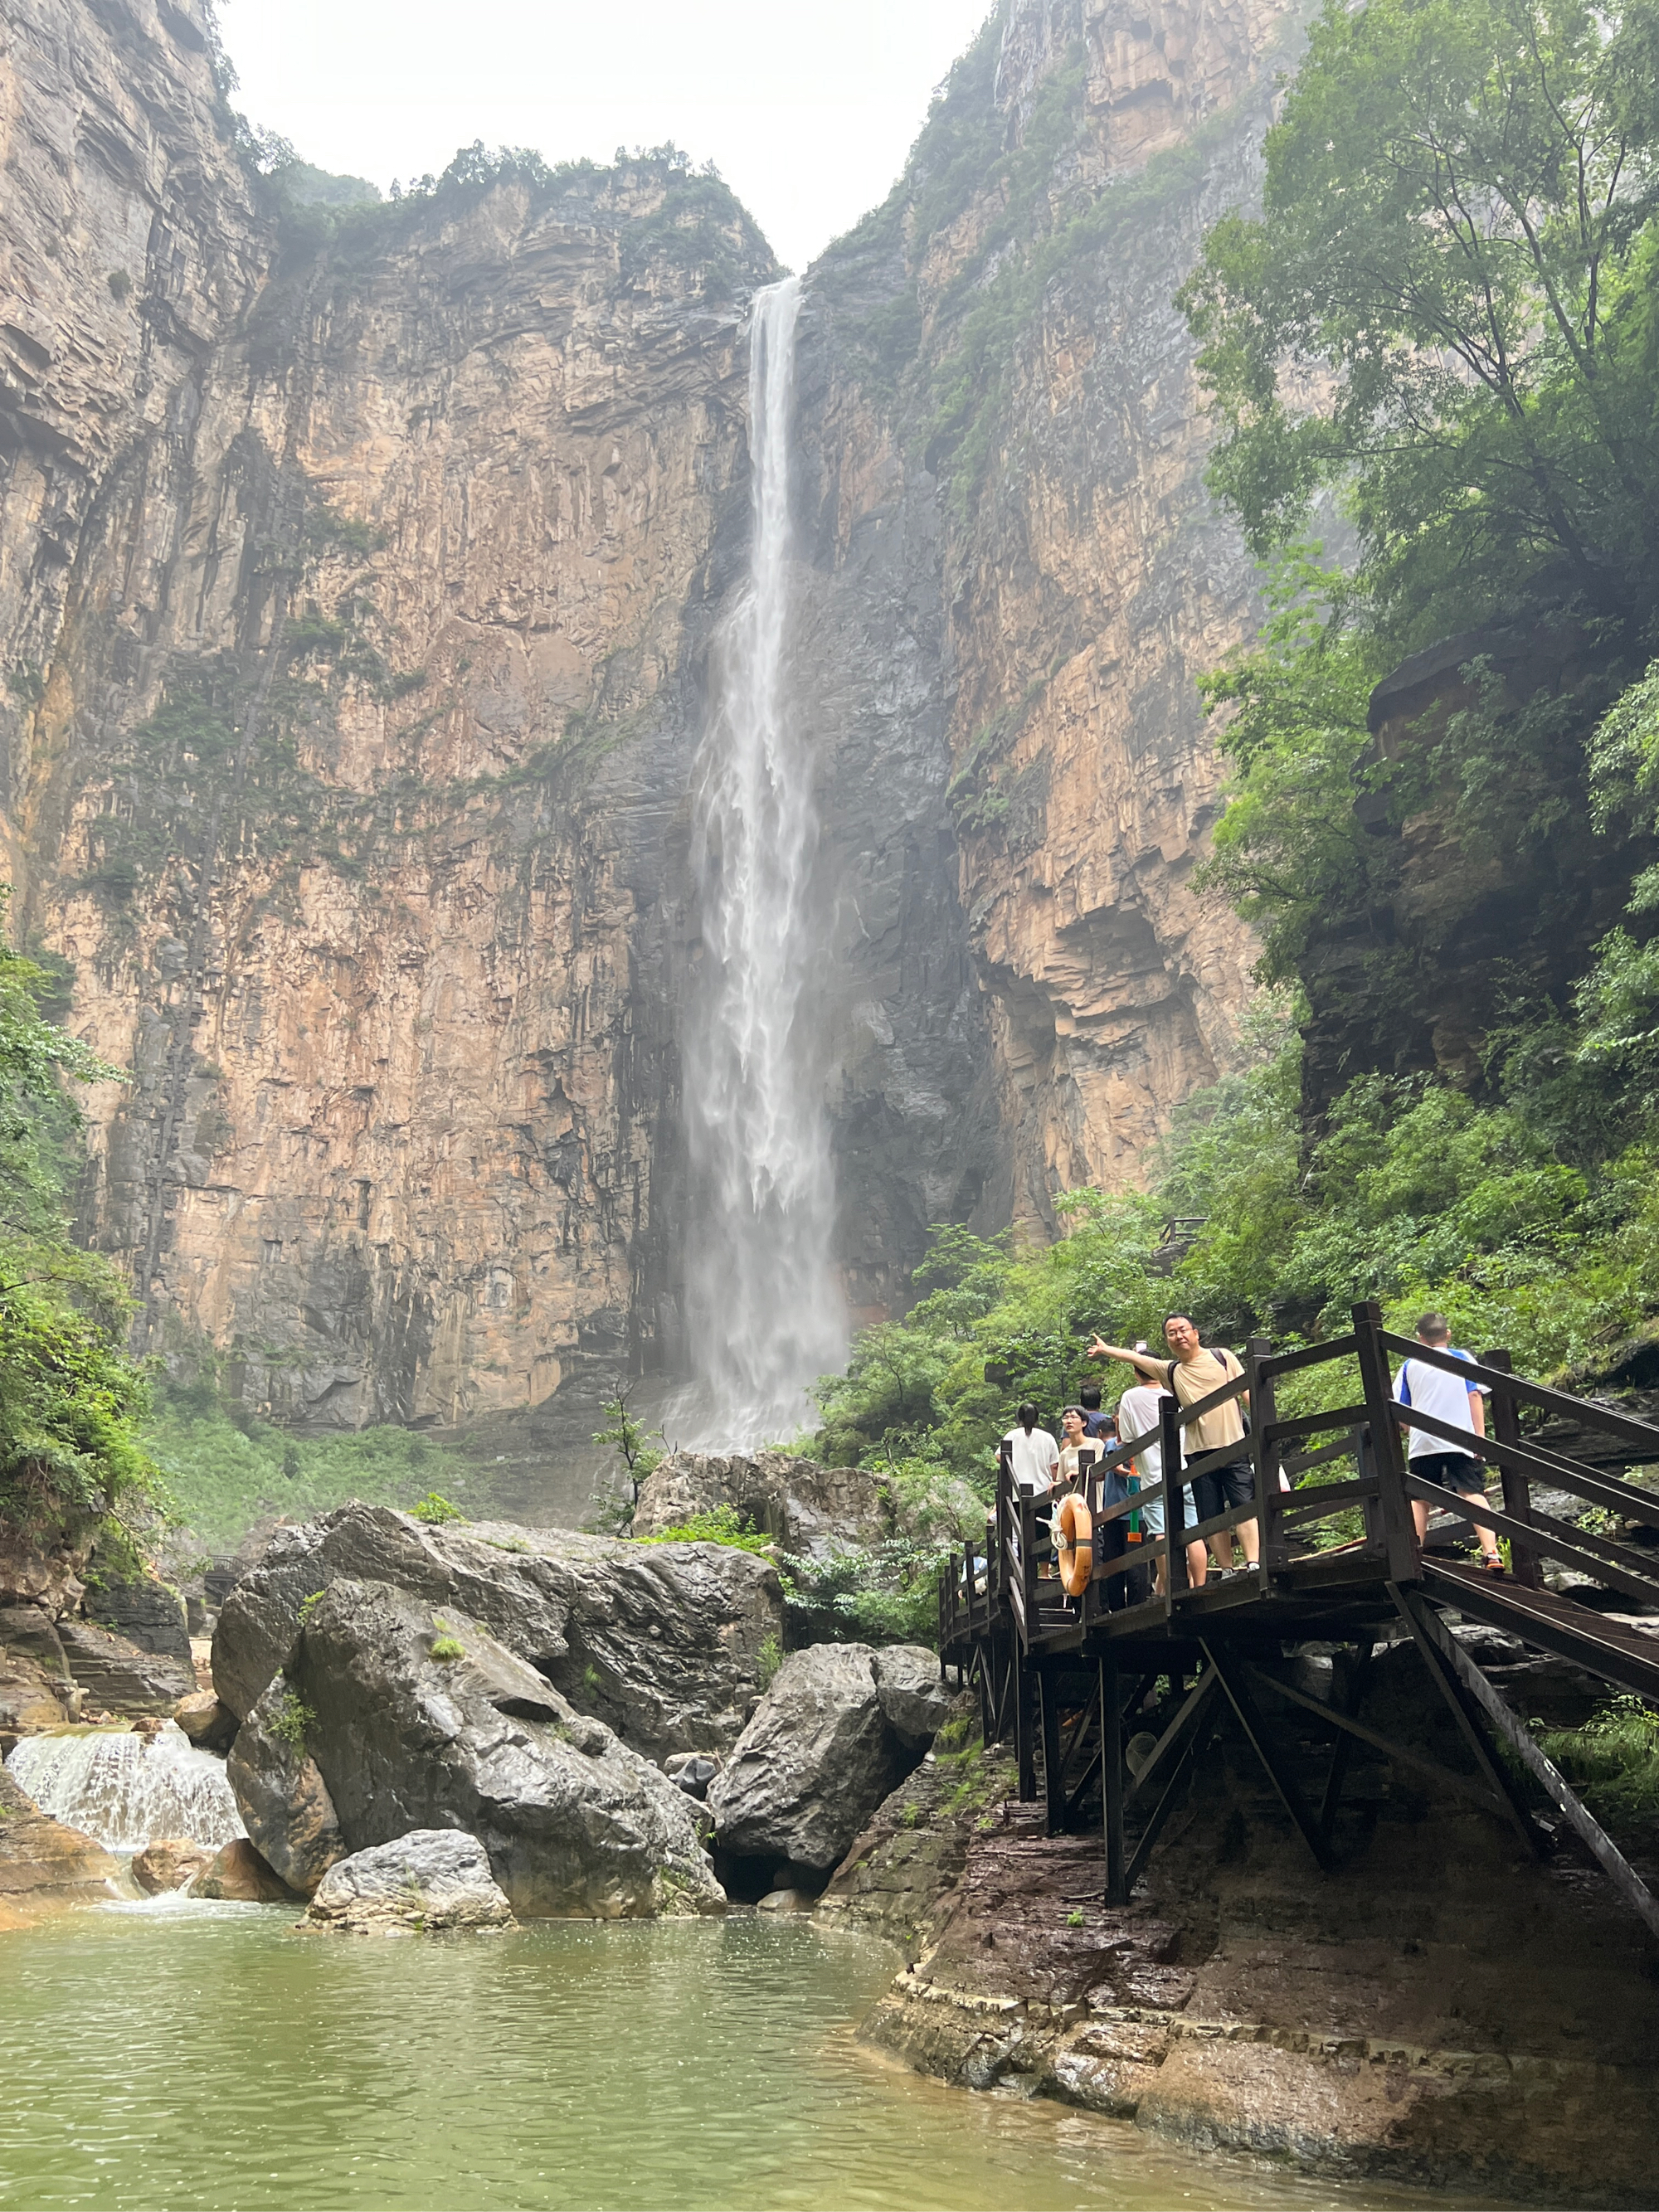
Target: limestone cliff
(356, 583)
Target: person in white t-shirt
(1137, 1416)
(1460, 1405)
(1033, 1453)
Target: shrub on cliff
(71, 1459)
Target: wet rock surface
(821, 1753)
(144, 1611)
(117, 1676)
(209, 1724)
(43, 1865)
(808, 1510)
(237, 1874)
(169, 1864)
(662, 1642)
(417, 1717)
(1441, 2012)
(431, 1881)
(280, 1792)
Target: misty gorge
(829, 1110)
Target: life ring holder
(1074, 1542)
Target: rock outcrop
(280, 1792)
(169, 1864)
(118, 1675)
(237, 1874)
(36, 1688)
(429, 1882)
(841, 1725)
(661, 1641)
(417, 1717)
(394, 554)
(43, 1865)
(807, 1510)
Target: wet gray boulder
(822, 1752)
(911, 1691)
(418, 1716)
(808, 1510)
(662, 1642)
(432, 1881)
(280, 1792)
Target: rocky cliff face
(356, 595)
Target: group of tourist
(1191, 1373)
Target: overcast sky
(808, 108)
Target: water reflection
(206, 2056)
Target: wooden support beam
(1192, 1705)
(1515, 1732)
(1351, 1731)
(1111, 1771)
(1447, 1681)
(1342, 1751)
(1202, 1706)
(1054, 1772)
(1024, 1732)
(1237, 1688)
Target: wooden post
(1024, 1745)
(1264, 1459)
(1053, 1781)
(1517, 1487)
(1111, 1780)
(1174, 1499)
(1387, 1446)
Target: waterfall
(765, 1315)
(128, 1790)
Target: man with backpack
(1192, 1373)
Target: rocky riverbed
(453, 1729)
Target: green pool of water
(207, 2056)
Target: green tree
(1448, 306)
(71, 1399)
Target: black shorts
(1223, 1488)
(1454, 1471)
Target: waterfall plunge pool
(203, 2056)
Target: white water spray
(128, 1790)
(765, 1315)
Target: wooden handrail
(1599, 1489)
(1621, 1425)
(1310, 1355)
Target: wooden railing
(1301, 1551)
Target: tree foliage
(71, 1401)
(1447, 307)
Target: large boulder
(808, 1510)
(280, 1792)
(431, 1881)
(662, 1642)
(822, 1752)
(237, 1874)
(44, 1864)
(169, 1864)
(416, 1717)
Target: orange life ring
(1074, 1538)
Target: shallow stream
(206, 2056)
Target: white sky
(807, 106)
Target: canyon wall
(356, 585)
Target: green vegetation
(1614, 1760)
(883, 1593)
(768, 1660)
(226, 1470)
(435, 1510)
(292, 1721)
(446, 1644)
(1455, 262)
(613, 1515)
(719, 1525)
(73, 1463)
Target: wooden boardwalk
(1339, 1562)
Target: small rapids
(126, 1789)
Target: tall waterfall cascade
(765, 1313)
(128, 1790)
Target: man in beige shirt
(1192, 1373)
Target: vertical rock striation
(357, 584)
